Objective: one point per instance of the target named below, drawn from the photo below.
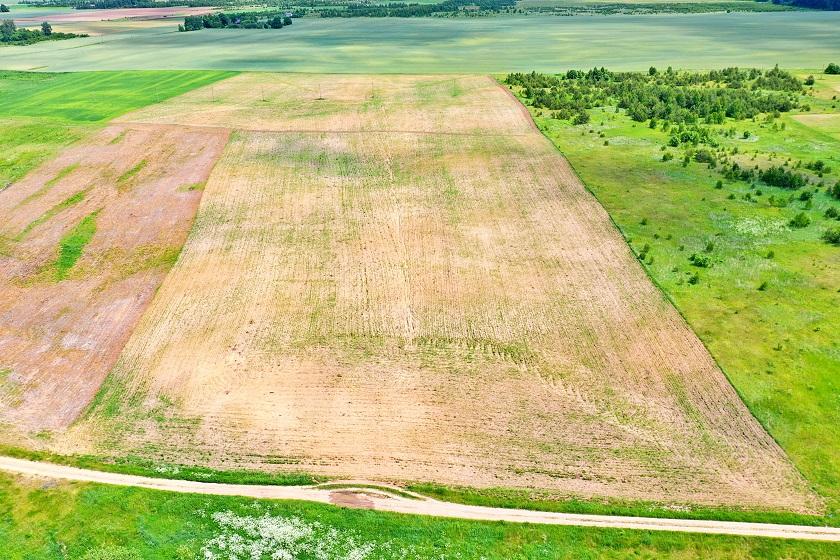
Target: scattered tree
(832, 235)
(800, 221)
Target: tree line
(833, 5)
(242, 20)
(11, 34)
(676, 97)
(417, 10)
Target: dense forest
(10, 34)
(676, 97)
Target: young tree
(287, 20)
(4, 8)
(833, 68)
(46, 29)
(7, 30)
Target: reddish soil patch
(60, 337)
(107, 15)
(351, 500)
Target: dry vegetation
(85, 240)
(435, 299)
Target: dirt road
(386, 501)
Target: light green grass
(92, 96)
(492, 44)
(72, 245)
(62, 520)
(779, 345)
(27, 142)
(42, 113)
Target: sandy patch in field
(344, 103)
(59, 339)
(829, 123)
(449, 306)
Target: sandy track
(384, 501)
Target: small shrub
(832, 235)
(694, 279)
(762, 287)
(701, 261)
(800, 221)
(832, 68)
(581, 118)
(719, 185)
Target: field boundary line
(664, 293)
(381, 500)
(143, 124)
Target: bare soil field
(438, 298)
(345, 103)
(114, 14)
(69, 300)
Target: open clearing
(437, 298)
(85, 240)
(828, 123)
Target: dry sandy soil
(437, 298)
(59, 337)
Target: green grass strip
(67, 203)
(130, 174)
(73, 244)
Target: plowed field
(85, 240)
(400, 278)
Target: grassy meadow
(46, 521)
(767, 306)
(41, 113)
(476, 45)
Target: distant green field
(476, 45)
(40, 113)
(767, 306)
(91, 97)
(26, 11)
(95, 522)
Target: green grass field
(97, 522)
(767, 307)
(480, 45)
(41, 113)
